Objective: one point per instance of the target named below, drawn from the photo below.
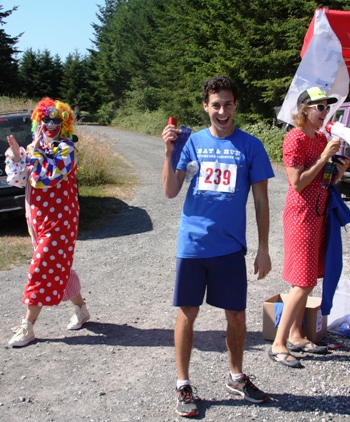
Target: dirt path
(120, 367)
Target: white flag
(323, 66)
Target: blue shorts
(224, 278)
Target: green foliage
(148, 122)
(106, 113)
(153, 55)
(174, 46)
(271, 136)
(8, 52)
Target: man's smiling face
(220, 108)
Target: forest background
(150, 59)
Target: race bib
(219, 177)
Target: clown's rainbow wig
(47, 107)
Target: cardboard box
(315, 324)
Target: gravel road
(120, 367)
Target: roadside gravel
(120, 367)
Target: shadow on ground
(16, 226)
(116, 218)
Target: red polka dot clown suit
(48, 173)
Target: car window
(19, 127)
(339, 115)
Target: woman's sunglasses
(55, 120)
(321, 107)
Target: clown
(47, 169)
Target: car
(342, 115)
(18, 124)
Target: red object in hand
(172, 121)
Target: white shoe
(81, 315)
(24, 334)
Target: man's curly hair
(217, 84)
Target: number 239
(217, 176)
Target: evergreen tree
(29, 74)
(8, 52)
(74, 85)
(49, 79)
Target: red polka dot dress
(52, 212)
(304, 216)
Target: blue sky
(61, 26)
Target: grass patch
(15, 243)
(13, 104)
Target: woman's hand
(342, 165)
(332, 148)
(13, 144)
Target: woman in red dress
(47, 169)
(305, 154)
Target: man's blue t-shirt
(213, 218)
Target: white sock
(179, 383)
(236, 377)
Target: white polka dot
(48, 299)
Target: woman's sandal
(295, 363)
(318, 350)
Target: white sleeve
(16, 171)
